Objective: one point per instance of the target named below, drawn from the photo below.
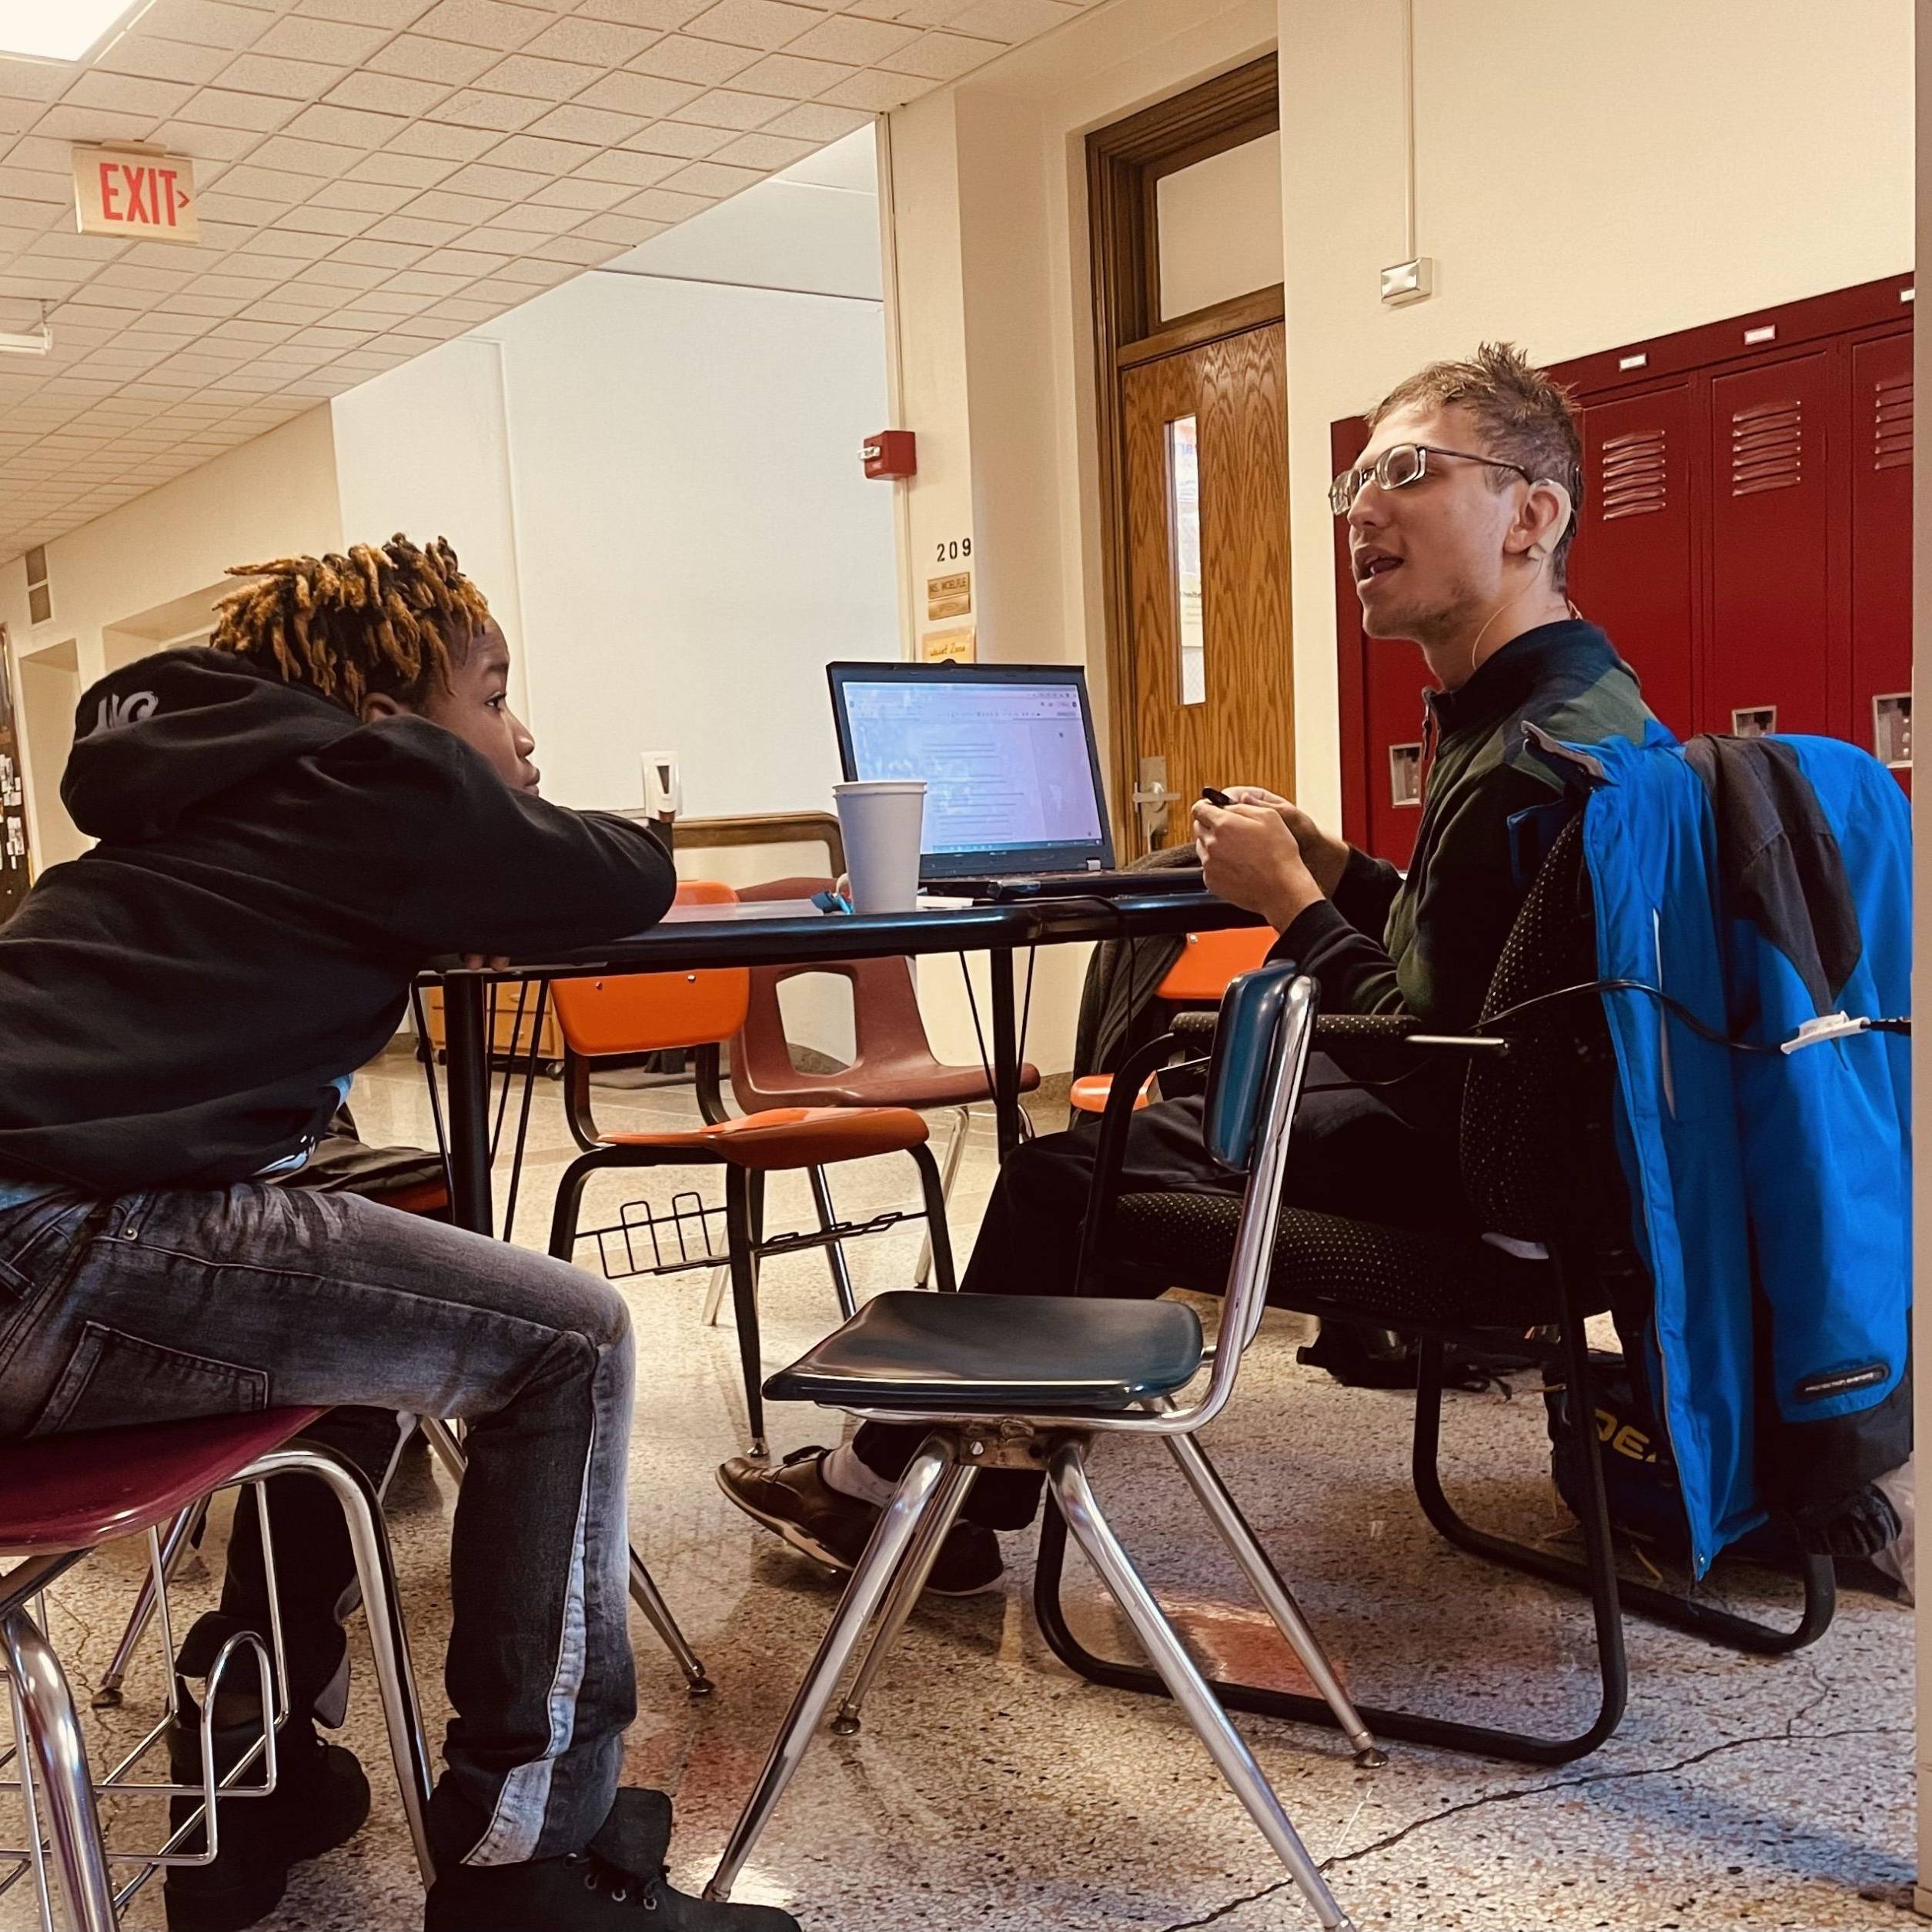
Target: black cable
(1674, 1005)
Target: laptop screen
(1006, 752)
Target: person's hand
(1324, 854)
(486, 962)
(1252, 859)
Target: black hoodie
(178, 1006)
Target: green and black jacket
(1428, 943)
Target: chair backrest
(654, 1012)
(1537, 1142)
(1210, 960)
(1261, 1043)
(889, 1032)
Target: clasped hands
(1264, 854)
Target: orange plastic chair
(656, 1012)
(1209, 963)
(893, 1062)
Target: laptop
(1014, 804)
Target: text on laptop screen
(1005, 765)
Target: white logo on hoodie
(131, 710)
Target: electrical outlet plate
(1406, 281)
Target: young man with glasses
(1459, 515)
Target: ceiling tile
(223, 108)
(352, 127)
(62, 122)
(876, 91)
(442, 141)
(336, 42)
(766, 152)
(292, 80)
(440, 205)
(500, 113)
(594, 126)
(578, 191)
(710, 178)
(604, 44)
(159, 59)
(768, 24)
(482, 23)
(614, 230)
(203, 23)
(373, 197)
(391, 14)
(414, 228)
(620, 165)
(659, 205)
(1012, 20)
(541, 80)
(864, 43)
(326, 158)
(708, 62)
(207, 143)
(723, 108)
(418, 58)
(390, 168)
(643, 13)
(943, 57)
(386, 93)
(382, 254)
(128, 92)
(543, 154)
(793, 78)
(644, 95)
(32, 80)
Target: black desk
(689, 939)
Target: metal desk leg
(467, 1045)
(1006, 1050)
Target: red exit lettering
(153, 196)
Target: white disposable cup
(882, 819)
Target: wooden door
(1205, 433)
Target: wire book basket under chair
(655, 1012)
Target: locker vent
(1892, 423)
(1631, 474)
(1767, 447)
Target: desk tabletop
(697, 936)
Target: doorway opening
(1185, 204)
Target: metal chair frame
(48, 1727)
(744, 1209)
(893, 1570)
(1596, 1576)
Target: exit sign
(136, 193)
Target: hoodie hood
(163, 736)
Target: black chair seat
(1391, 1277)
(999, 1355)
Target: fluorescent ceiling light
(58, 29)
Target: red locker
(1880, 446)
(1630, 567)
(1769, 656)
(1746, 539)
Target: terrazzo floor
(991, 1788)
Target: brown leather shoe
(795, 1502)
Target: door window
(1184, 546)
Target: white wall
(1586, 176)
(267, 498)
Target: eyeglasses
(1400, 465)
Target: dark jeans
(1350, 1154)
(160, 1306)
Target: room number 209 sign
(135, 192)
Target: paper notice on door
(949, 596)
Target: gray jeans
(164, 1305)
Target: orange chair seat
(1089, 1091)
(782, 1137)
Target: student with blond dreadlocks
(290, 823)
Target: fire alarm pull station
(891, 454)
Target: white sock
(843, 1472)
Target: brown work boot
(795, 1502)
